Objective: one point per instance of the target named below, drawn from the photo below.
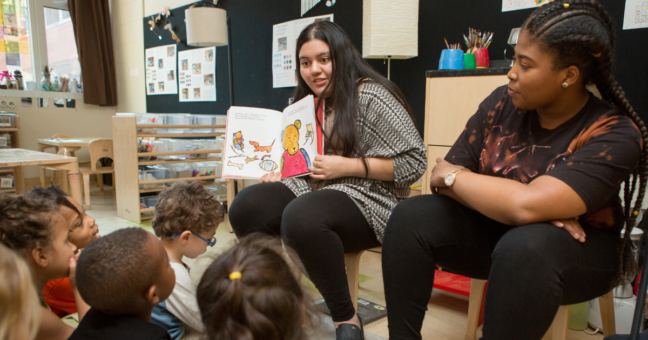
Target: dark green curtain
(93, 33)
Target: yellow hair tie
(566, 5)
(235, 275)
(598, 55)
(636, 213)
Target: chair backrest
(61, 135)
(100, 148)
(64, 152)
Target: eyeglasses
(211, 242)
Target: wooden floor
(444, 320)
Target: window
(35, 33)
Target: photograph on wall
(284, 42)
(636, 14)
(161, 61)
(197, 75)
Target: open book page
(253, 137)
(298, 138)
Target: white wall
(153, 7)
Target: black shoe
(348, 331)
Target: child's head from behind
(36, 230)
(83, 228)
(250, 292)
(185, 211)
(19, 308)
(125, 273)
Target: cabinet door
(433, 152)
(451, 101)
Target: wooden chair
(98, 148)
(352, 262)
(63, 173)
(558, 329)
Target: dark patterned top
(593, 152)
(388, 131)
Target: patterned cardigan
(387, 129)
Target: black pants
(320, 226)
(531, 270)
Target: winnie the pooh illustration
(295, 160)
(237, 141)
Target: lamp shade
(390, 28)
(206, 26)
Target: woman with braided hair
(528, 196)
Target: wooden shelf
(174, 153)
(222, 200)
(4, 170)
(175, 161)
(9, 129)
(40, 94)
(168, 126)
(180, 135)
(18, 172)
(126, 136)
(7, 190)
(171, 180)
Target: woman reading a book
(373, 153)
(528, 196)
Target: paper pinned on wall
(161, 70)
(197, 75)
(514, 5)
(284, 43)
(636, 14)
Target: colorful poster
(161, 71)
(197, 75)
(636, 14)
(514, 5)
(284, 43)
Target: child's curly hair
(187, 205)
(25, 222)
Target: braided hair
(581, 33)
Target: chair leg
(64, 180)
(558, 328)
(352, 262)
(114, 184)
(86, 190)
(100, 182)
(608, 320)
(474, 307)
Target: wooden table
(22, 157)
(72, 144)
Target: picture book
(260, 141)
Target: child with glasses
(186, 218)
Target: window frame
(38, 33)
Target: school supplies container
(203, 120)
(177, 119)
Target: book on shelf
(260, 141)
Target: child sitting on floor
(123, 276)
(36, 230)
(19, 309)
(250, 292)
(186, 218)
(58, 293)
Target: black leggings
(531, 270)
(320, 226)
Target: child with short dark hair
(36, 230)
(58, 293)
(250, 292)
(123, 276)
(186, 218)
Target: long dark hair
(581, 33)
(267, 301)
(348, 69)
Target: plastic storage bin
(5, 140)
(152, 175)
(219, 189)
(148, 118)
(203, 120)
(177, 119)
(179, 171)
(200, 145)
(147, 145)
(7, 120)
(148, 202)
(179, 146)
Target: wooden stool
(352, 262)
(558, 329)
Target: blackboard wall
(252, 22)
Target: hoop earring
(564, 85)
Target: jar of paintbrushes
(452, 58)
(477, 43)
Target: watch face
(449, 179)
